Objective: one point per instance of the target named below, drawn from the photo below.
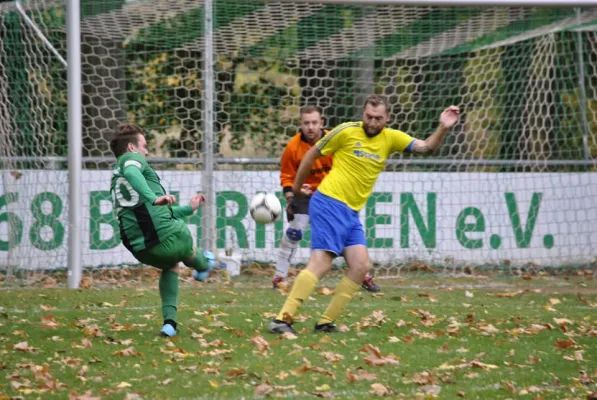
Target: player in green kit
(151, 227)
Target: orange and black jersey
(293, 154)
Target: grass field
(423, 338)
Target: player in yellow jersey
(360, 150)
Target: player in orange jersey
(297, 210)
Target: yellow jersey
(358, 160)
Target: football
(265, 208)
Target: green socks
(169, 294)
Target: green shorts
(172, 250)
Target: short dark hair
(311, 108)
(123, 136)
(376, 100)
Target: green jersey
(135, 186)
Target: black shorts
(301, 204)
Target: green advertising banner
(462, 218)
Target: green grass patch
(422, 338)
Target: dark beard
(371, 135)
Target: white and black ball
(265, 208)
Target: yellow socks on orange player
(344, 292)
(303, 286)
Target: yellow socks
(303, 286)
(344, 292)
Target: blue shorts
(334, 225)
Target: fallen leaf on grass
(408, 339)
(431, 297)
(507, 294)
(263, 389)
(85, 396)
(92, 330)
(479, 364)
(282, 375)
(49, 322)
(380, 390)
(323, 395)
(488, 329)
(576, 357)
(471, 364)
(433, 390)
(24, 347)
(325, 291)
(123, 385)
(236, 372)
(375, 357)
(261, 344)
(564, 343)
(332, 357)
(562, 321)
(422, 378)
(587, 302)
(128, 352)
(361, 375)
(308, 367)
(531, 359)
(510, 387)
(289, 336)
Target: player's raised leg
(202, 263)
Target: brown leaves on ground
(49, 322)
(128, 352)
(92, 330)
(308, 367)
(359, 375)
(375, 358)
(263, 390)
(236, 372)
(378, 389)
(577, 356)
(85, 343)
(332, 357)
(587, 302)
(422, 378)
(431, 297)
(470, 364)
(507, 294)
(85, 396)
(564, 343)
(261, 344)
(324, 291)
(376, 319)
(24, 347)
